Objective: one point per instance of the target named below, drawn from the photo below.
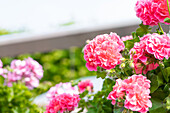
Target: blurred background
(53, 32)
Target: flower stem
(161, 68)
(125, 72)
(161, 28)
(168, 6)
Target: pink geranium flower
(103, 51)
(27, 71)
(127, 38)
(151, 47)
(137, 93)
(136, 89)
(2, 71)
(60, 89)
(63, 102)
(83, 85)
(151, 12)
(118, 91)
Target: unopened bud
(111, 71)
(123, 59)
(161, 64)
(122, 65)
(87, 41)
(131, 64)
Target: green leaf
(168, 102)
(154, 83)
(84, 94)
(167, 74)
(167, 20)
(167, 88)
(157, 106)
(10, 94)
(160, 94)
(160, 78)
(101, 74)
(142, 30)
(130, 43)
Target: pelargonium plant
(135, 68)
(64, 97)
(16, 82)
(27, 71)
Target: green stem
(125, 72)
(168, 6)
(161, 28)
(161, 68)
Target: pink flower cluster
(151, 46)
(152, 12)
(62, 88)
(103, 51)
(2, 71)
(136, 89)
(27, 71)
(63, 102)
(83, 85)
(127, 38)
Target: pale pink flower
(83, 85)
(151, 12)
(127, 38)
(63, 102)
(27, 71)
(2, 71)
(1, 64)
(103, 51)
(62, 88)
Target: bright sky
(46, 15)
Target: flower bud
(123, 59)
(161, 64)
(122, 65)
(131, 64)
(111, 71)
(87, 41)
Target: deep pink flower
(162, 10)
(62, 88)
(151, 12)
(151, 47)
(63, 102)
(158, 45)
(103, 51)
(127, 38)
(83, 85)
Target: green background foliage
(58, 65)
(16, 99)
